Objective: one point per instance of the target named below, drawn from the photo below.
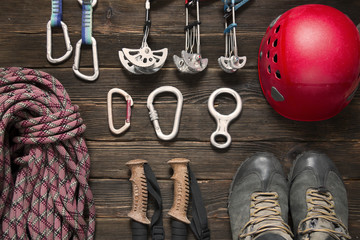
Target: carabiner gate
(154, 116)
(76, 65)
(56, 21)
(129, 104)
(87, 39)
(223, 121)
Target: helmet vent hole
(268, 54)
(277, 29)
(275, 58)
(268, 42)
(275, 43)
(277, 74)
(269, 69)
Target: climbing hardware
(154, 116)
(231, 62)
(223, 121)
(129, 104)
(143, 60)
(56, 21)
(86, 39)
(191, 60)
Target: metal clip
(190, 61)
(129, 104)
(223, 121)
(154, 116)
(231, 62)
(49, 44)
(143, 60)
(93, 3)
(76, 65)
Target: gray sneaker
(318, 201)
(258, 200)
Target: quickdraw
(56, 21)
(223, 121)
(154, 116)
(231, 62)
(87, 39)
(143, 60)
(190, 61)
(129, 104)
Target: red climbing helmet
(309, 62)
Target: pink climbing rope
(44, 161)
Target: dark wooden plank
(168, 17)
(112, 228)
(257, 122)
(113, 200)
(119, 24)
(108, 158)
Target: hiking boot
(258, 200)
(318, 201)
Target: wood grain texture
(118, 24)
(113, 201)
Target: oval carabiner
(154, 116)
(129, 104)
(76, 64)
(49, 44)
(223, 121)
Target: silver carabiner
(129, 104)
(76, 64)
(93, 3)
(223, 121)
(49, 44)
(154, 116)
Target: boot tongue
(271, 222)
(319, 223)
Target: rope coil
(44, 162)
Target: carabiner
(88, 39)
(129, 104)
(49, 44)
(76, 65)
(154, 116)
(93, 3)
(223, 121)
(56, 21)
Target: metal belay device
(190, 61)
(143, 60)
(231, 62)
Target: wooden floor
(117, 24)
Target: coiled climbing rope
(44, 161)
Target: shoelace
(321, 206)
(44, 163)
(265, 214)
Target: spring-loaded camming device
(190, 61)
(129, 104)
(56, 21)
(231, 62)
(154, 116)
(86, 39)
(143, 60)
